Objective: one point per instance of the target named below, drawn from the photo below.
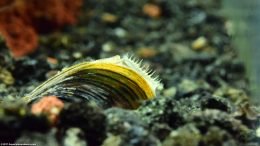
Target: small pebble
(152, 10)
(65, 40)
(6, 77)
(170, 92)
(147, 52)
(112, 140)
(258, 132)
(52, 60)
(187, 135)
(108, 47)
(120, 32)
(187, 86)
(109, 18)
(77, 55)
(199, 43)
(74, 138)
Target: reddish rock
(152, 10)
(22, 20)
(50, 106)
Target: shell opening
(144, 70)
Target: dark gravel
(205, 100)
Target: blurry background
(245, 31)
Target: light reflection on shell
(116, 81)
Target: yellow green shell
(116, 81)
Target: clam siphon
(116, 81)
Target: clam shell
(106, 82)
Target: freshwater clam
(116, 81)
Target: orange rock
(49, 105)
(20, 38)
(109, 18)
(147, 52)
(22, 20)
(152, 10)
(52, 60)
